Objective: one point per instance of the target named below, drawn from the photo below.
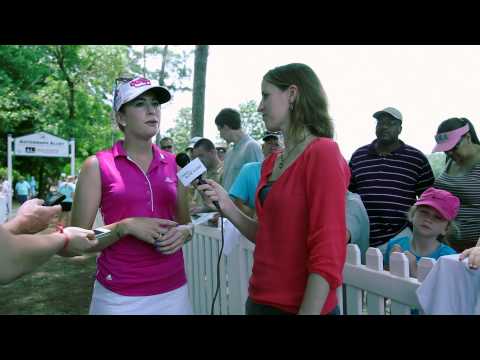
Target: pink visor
(442, 201)
(447, 140)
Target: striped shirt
(467, 189)
(389, 185)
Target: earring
(291, 107)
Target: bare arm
(316, 293)
(32, 217)
(88, 193)
(246, 225)
(182, 211)
(21, 254)
(247, 210)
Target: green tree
(199, 82)
(63, 90)
(437, 162)
(181, 132)
(173, 73)
(252, 122)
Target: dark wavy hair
(310, 109)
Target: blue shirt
(67, 189)
(406, 243)
(357, 222)
(22, 188)
(245, 185)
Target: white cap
(193, 141)
(390, 111)
(129, 90)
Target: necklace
(283, 158)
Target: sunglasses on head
(122, 80)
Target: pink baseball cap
(130, 89)
(442, 201)
(447, 140)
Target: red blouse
(301, 228)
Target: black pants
(252, 308)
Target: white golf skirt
(106, 302)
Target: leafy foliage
(437, 162)
(181, 132)
(252, 122)
(66, 90)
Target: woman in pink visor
(457, 138)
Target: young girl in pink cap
(432, 219)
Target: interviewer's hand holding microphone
(214, 192)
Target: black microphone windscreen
(182, 159)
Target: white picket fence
(201, 255)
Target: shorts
(22, 198)
(66, 206)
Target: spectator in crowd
(358, 225)
(33, 186)
(389, 175)
(6, 192)
(67, 189)
(21, 253)
(473, 255)
(245, 185)
(300, 232)
(244, 150)
(167, 144)
(432, 218)
(63, 178)
(458, 139)
(189, 148)
(206, 152)
(22, 188)
(221, 150)
(141, 268)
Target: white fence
(201, 255)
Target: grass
(62, 286)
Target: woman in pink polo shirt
(140, 269)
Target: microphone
(183, 161)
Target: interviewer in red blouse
(300, 201)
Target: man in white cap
(189, 148)
(388, 175)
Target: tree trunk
(70, 84)
(199, 83)
(161, 79)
